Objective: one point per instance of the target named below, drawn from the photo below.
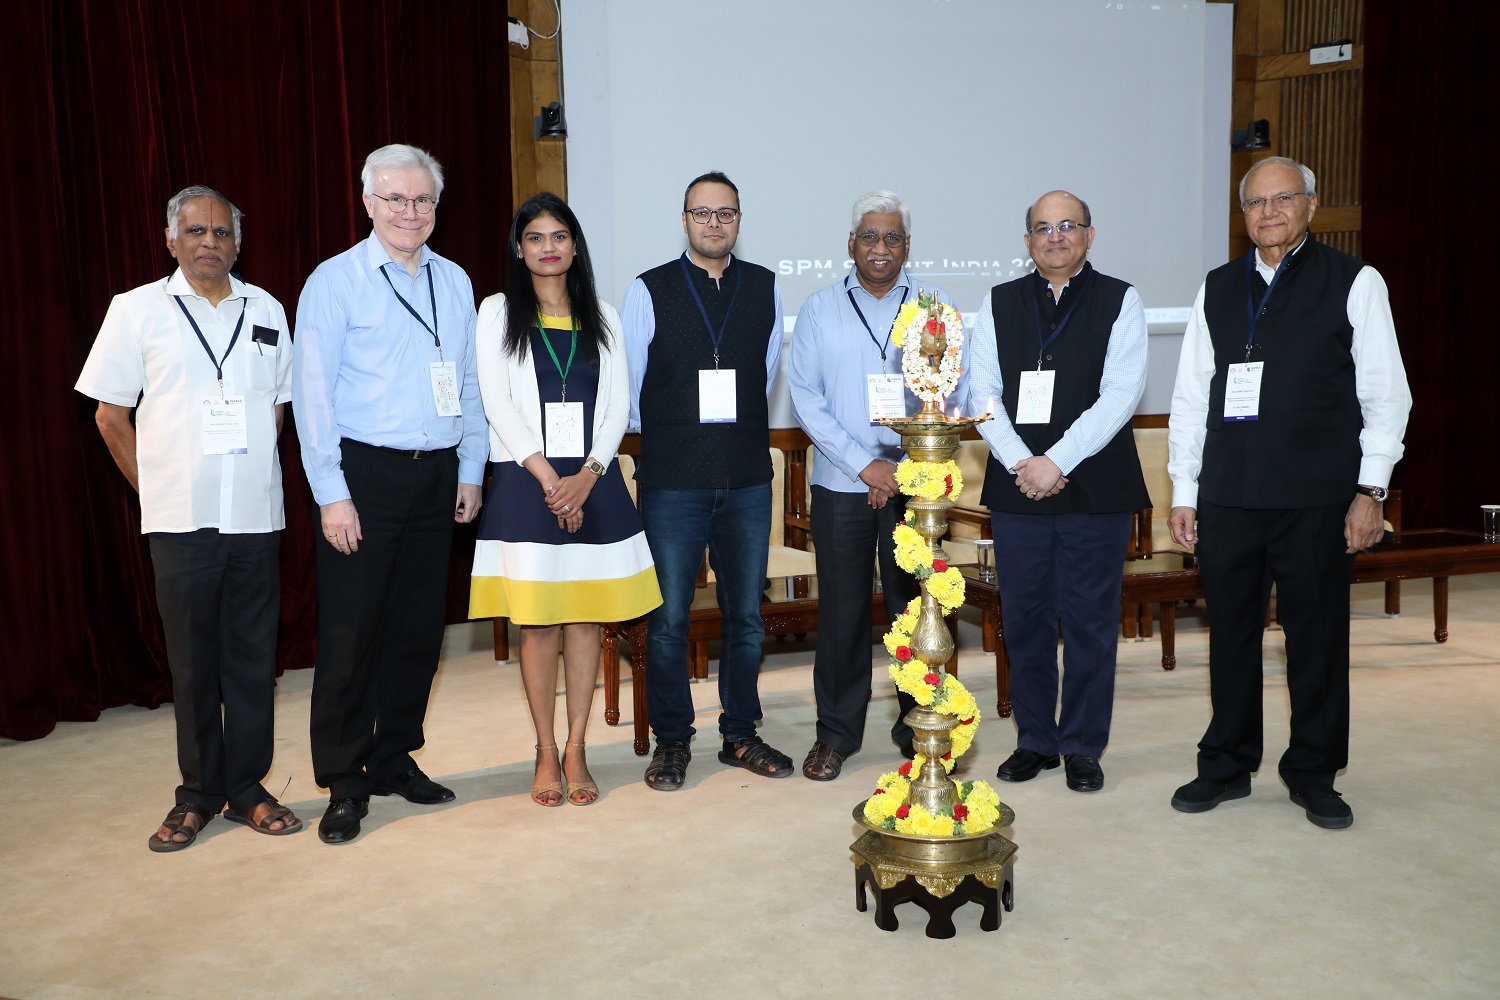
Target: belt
(412, 453)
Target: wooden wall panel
(1315, 112)
(536, 164)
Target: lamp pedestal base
(939, 885)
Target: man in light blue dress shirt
(394, 441)
(841, 357)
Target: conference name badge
(886, 399)
(225, 430)
(444, 376)
(1242, 391)
(716, 403)
(564, 430)
(1034, 403)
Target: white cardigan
(513, 403)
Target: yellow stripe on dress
(542, 603)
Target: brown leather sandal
(176, 823)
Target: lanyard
(1057, 331)
(218, 364)
(571, 351)
(717, 338)
(860, 313)
(416, 315)
(1252, 314)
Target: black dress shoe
(1023, 765)
(1325, 807)
(413, 786)
(1202, 794)
(668, 768)
(340, 823)
(1084, 772)
(907, 749)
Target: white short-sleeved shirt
(147, 355)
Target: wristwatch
(1376, 493)
(593, 466)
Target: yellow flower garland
(977, 808)
(930, 480)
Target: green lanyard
(571, 352)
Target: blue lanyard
(218, 364)
(860, 313)
(416, 315)
(1036, 303)
(717, 338)
(1252, 313)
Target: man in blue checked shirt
(394, 441)
(844, 373)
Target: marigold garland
(977, 809)
(930, 480)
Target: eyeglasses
(1065, 227)
(1284, 200)
(892, 239)
(424, 204)
(724, 215)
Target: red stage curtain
(1429, 166)
(108, 108)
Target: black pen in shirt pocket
(267, 335)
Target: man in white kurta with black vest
(1063, 353)
(1287, 419)
(703, 337)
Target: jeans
(735, 526)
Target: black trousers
(220, 598)
(849, 537)
(1241, 553)
(380, 617)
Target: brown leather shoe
(823, 763)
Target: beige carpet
(743, 887)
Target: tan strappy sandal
(581, 793)
(554, 788)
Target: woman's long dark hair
(520, 295)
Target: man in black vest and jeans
(1063, 351)
(703, 337)
(1287, 419)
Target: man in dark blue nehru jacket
(703, 337)
(1063, 353)
(1287, 419)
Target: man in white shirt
(204, 359)
(1287, 419)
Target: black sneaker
(1325, 807)
(1201, 794)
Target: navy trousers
(1061, 569)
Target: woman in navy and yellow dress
(560, 544)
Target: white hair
(1309, 182)
(881, 203)
(399, 156)
(187, 194)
